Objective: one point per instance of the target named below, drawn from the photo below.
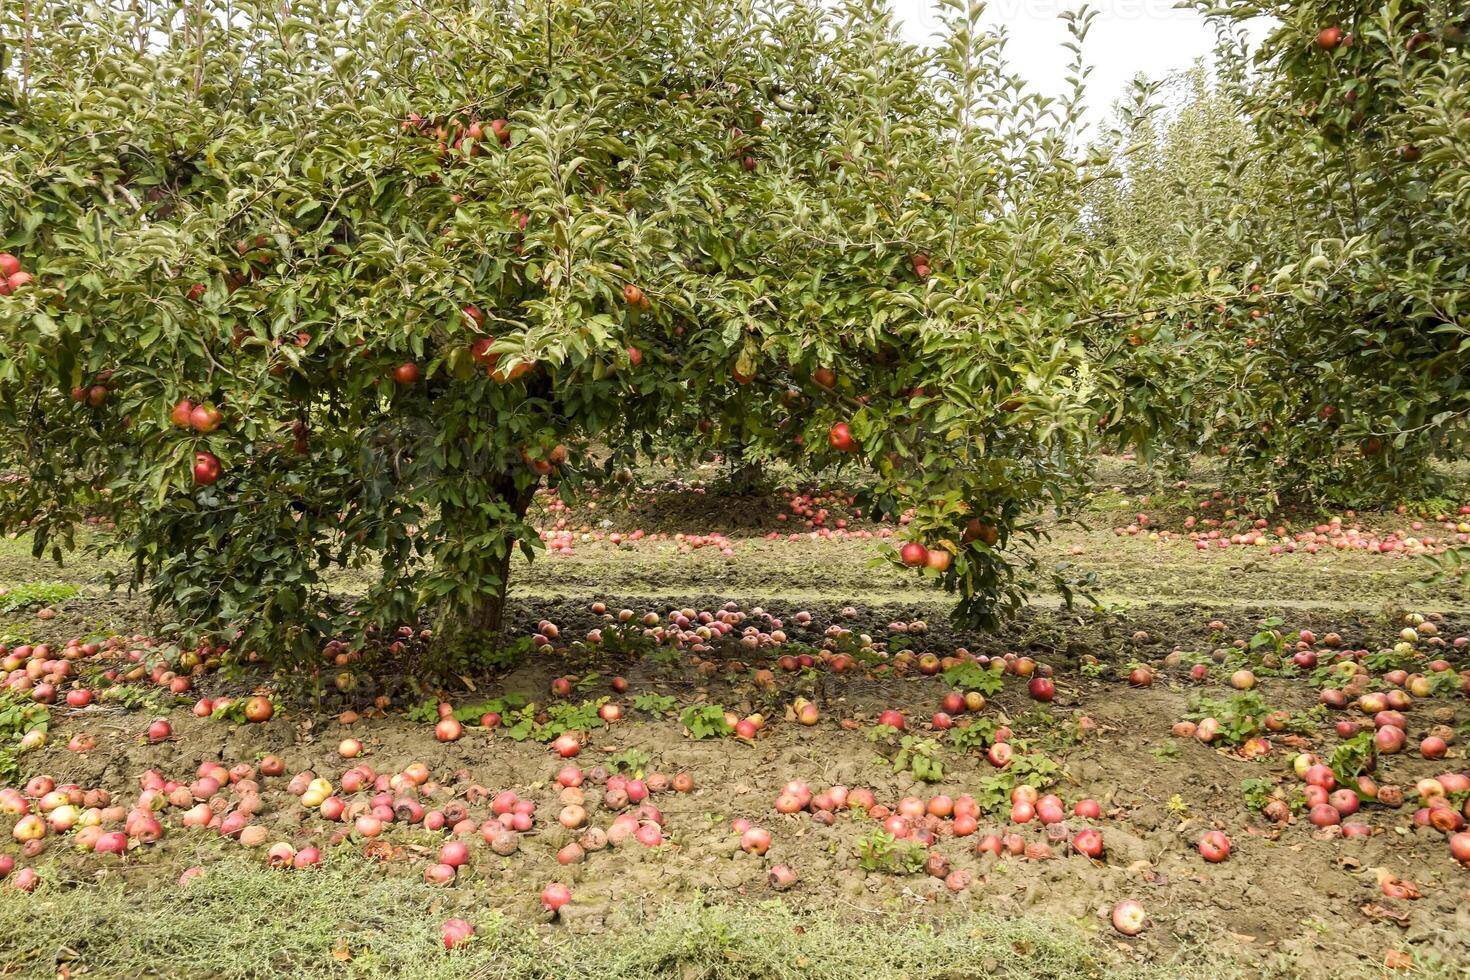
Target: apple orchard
(315, 316)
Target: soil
(1289, 900)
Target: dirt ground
(1290, 900)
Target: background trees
(342, 284)
(412, 261)
(1342, 135)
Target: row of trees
(1347, 132)
(413, 259)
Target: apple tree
(1343, 380)
(333, 287)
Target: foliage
(881, 851)
(1167, 751)
(310, 221)
(654, 704)
(29, 594)
(520, 724)
(17, 718)
(1241, 716)
(1352, 758)
(629, 761)
(469, 714)
(1257, 792)
(1345, 162)
(977, 735)
(970, 676)
(705, 721)
(920, 757)
(881, 733)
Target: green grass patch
(34, 595)
(243, 921)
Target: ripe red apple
(1433, 747)
(1459, 848)
(407, 373)
(1129, 917)
(259, 709)
(204, 418)
(207, 468)
(9, 265)
(839, 437)
(1042, 688)
(456, 932)
(159, 729)
(1214, 846)
(1329, 38)
(566, 745)
(825, 377)
(939, 559)
(914, 554)
(448, 730)
(180, 416)
(892, 718)
(1088, 842)
(555, 895)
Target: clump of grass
(244, 921)
(27, 595)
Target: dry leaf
(1375, 911)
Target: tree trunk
(745, 477)
(485, 619)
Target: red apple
(1129, 918)
(914, 554)
(1214, 846)
(207, 468)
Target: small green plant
(519, 724)
(1257, 792)
(1034, 769)
(630, 761)
(1443, 683)
(1177, 806)
(1166, 751)
(881, 851)
(137, 698)
(1352, 758)
(17, 719)
(1241, 716)
(970, 676)
(566, 717)
(469, 714)
(1269, 635)
(1385, 660)
(705, 721)
(921, 757)
(994, 791)
(976, 736)
(30, 595)
(234, 711)
(881, 733)
(1094, 670)
(1307, 722)
(654, 704)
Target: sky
(1128, 37)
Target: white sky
(1128, 37)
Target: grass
(243, 921)
(36, 594)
